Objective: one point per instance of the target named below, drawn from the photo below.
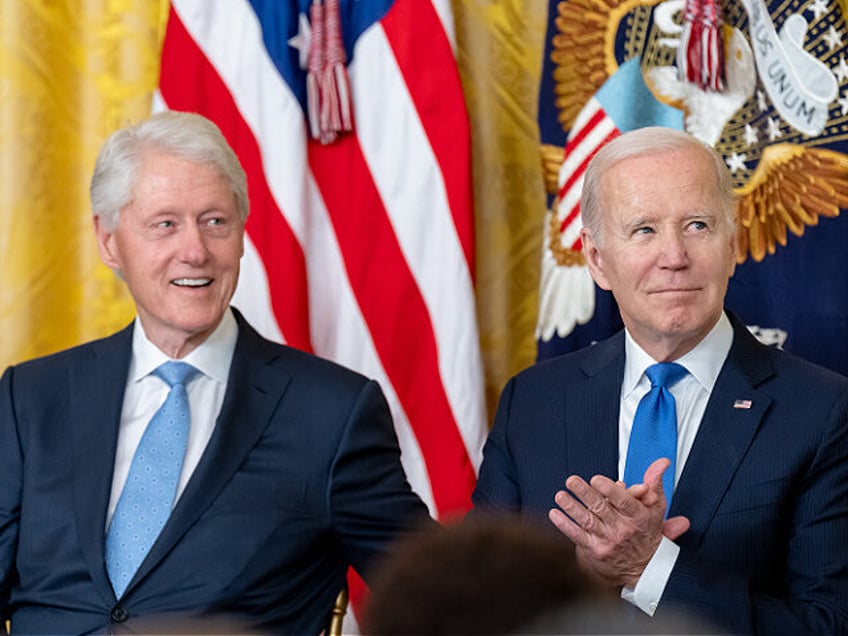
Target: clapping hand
(616, 529)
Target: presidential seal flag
(764, 83)
(350, 122)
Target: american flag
(360, 250)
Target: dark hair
(490, 576)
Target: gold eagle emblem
(793, 182)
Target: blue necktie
(654, 432)
(148, 495)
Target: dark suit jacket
(301, 477)
(765, 487)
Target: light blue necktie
(148, 495)
(654, 432)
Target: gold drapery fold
(500, 48)
(70, 73)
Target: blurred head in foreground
(493, 576)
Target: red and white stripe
(567, 292)
(360, 250)
(591, 130)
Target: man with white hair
(704, 472)
(187, 466)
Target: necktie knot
(175, 373)
(665, 374)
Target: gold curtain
(71, 71)
(500, 48)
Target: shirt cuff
(650, 586)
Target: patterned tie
(148, 495)
(654, 432)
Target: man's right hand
(675, 526)
(616, 530)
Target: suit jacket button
(119, 614)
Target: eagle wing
(579, 52)
(551, 162)
(791, 187)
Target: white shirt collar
(212, 357)
(704, 362)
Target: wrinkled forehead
(659, 179)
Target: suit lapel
(97, 383)
(733, 414)
(254, 390)
(593, 411)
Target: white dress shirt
(691, 395)
(145, 393)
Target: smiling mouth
(192, 282)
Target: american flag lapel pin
(742, 404)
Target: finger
(638, 490)
(675, 527)
(645, 495)
(604, 484)
(618, 497)
(654, 473)
(575, 509)
(594, 501)
(654, 481)
(565, 525)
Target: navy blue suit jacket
(765, 487)
(301, 477)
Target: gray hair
(186, 135)
(644, 142)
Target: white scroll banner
(800, 86)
